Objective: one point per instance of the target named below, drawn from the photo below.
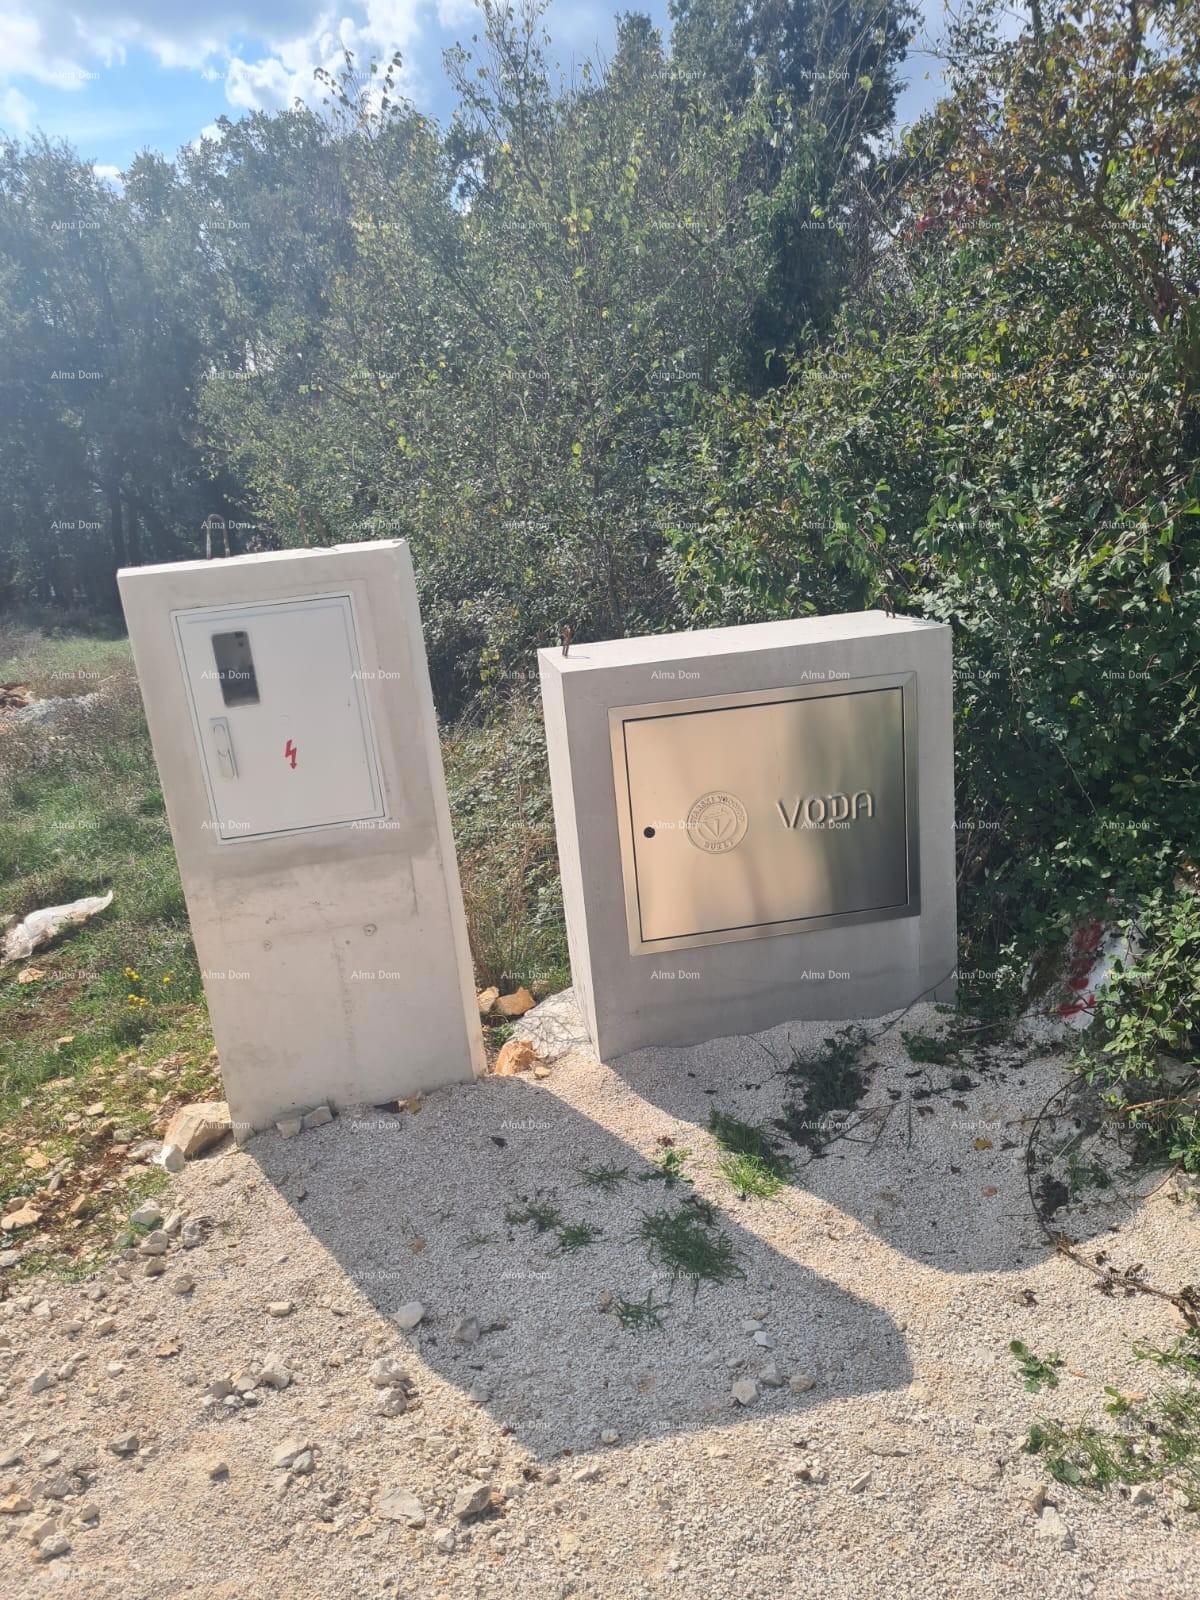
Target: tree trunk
(163, 543)
(116, 539)
(132, 534)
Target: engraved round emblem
(717, 822)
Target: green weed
(508, 861)
(831, 1081)
(751, 1164)
(933, 1049)
(1159, 1437)
(1037, 1372)
(543, 1216)
(688, 1247)
(751, 1176)
(604, 1176)
(641, 1316)
(577, 1236)
(669, 1163)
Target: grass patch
(53, 1264)
(82, 813)
(831, 1082)
(751, 1163)
(935, 1050)
(577, 1236)
(605, 1176)
(545, 1218)
(687, 1247)
(499, 790)
(641, 1316)
(742, 1138)
(109, 1033)
(1154, 1437)
(97, 1236)
(668, 1162)
(56, 662)
(751, 1176)
(64, 1148)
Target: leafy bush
(1003, 434)
(507, 856)
(1146, 1053)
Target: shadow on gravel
(444, 1207)
(932, 1159)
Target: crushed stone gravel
(871, 1445)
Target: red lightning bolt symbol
(290, 751)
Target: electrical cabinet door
(281, 716)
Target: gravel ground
(881, 1457)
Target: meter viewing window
(235, 668)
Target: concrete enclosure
(293, 725)
(755, 824)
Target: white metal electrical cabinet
(280, 716)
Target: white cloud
(55, 55)
(390, 21)
(450, 13)
(16, 111)
(262, 85)
(265, 52)
(108, 174)
(52, 42)
(278, 80)
(51, 39)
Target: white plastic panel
(280, 716)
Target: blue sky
(116, 76)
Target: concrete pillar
(755, 824)
(290, 710)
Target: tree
(1002, 434)
(820, 78)
(528, 299)
(103, 467)
(1086, 125)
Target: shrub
(1144, 1057)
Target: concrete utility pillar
(755, 824)
(290, 711)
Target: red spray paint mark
(290, 751)
(1083, 953)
